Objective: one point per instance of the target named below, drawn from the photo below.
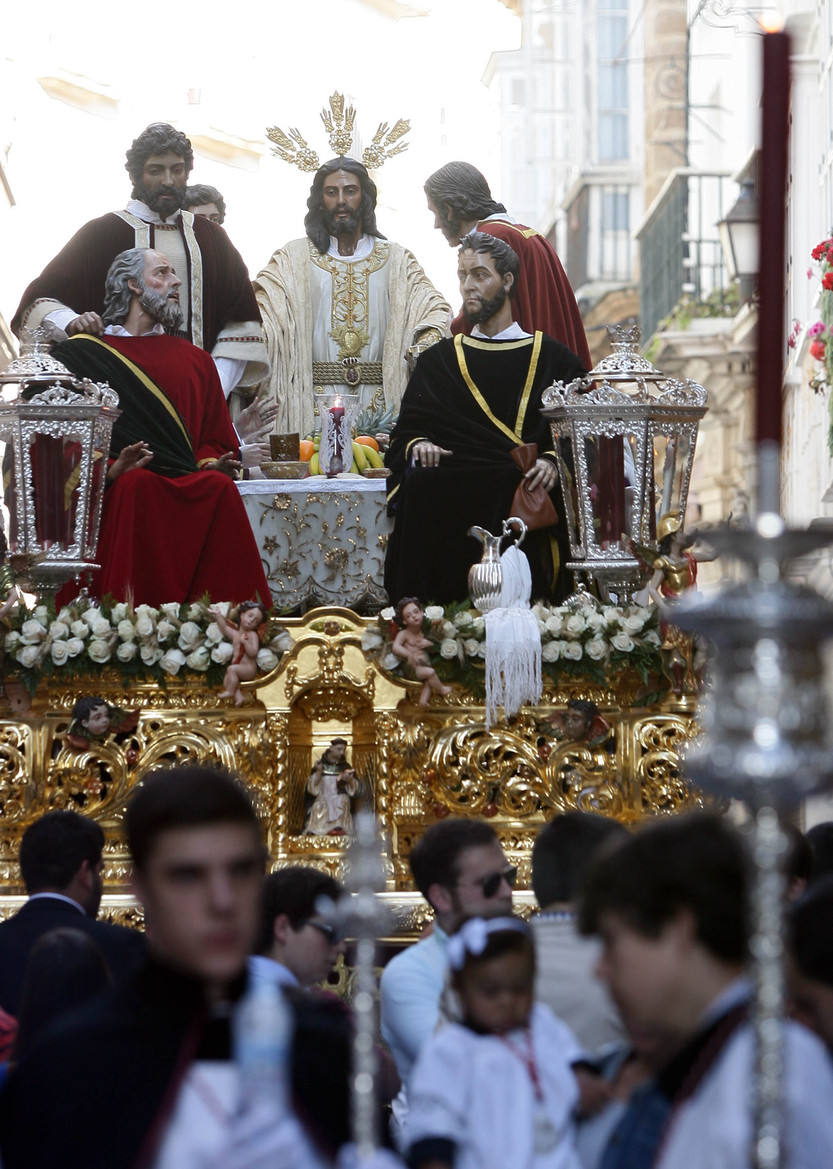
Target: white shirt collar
(263, 969)
(512, 332)
(504, 215)
(59, 897)
(363, 249)
(120, 331)
(142, 211)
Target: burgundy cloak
(176, 532)
(543, 299)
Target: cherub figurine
(581, 722)
(332, 782)
(246, 643)
(94, 720)
(674, 565)
(410, 644)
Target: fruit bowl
(285, 469)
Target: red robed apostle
(173, 526)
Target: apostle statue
(332, 783)
(342, 307)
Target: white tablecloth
(322, 541)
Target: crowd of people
(611, 1031)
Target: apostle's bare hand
(543, 474)
(428, 454)
(130, 458)
(86, 323)
(257, 418)
(252, 454)
(226, 463)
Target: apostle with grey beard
(173, 526)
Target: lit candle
(337, 457)
(771, 278)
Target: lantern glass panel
(671, 456)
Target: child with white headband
(496, 1090)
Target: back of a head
(293, 891)
(434, 857)
(464, 188)
(184, 797)
(65, 969)
(563, 851)
(53, 848)
(694, 863)
(200, 194)
(820, 840)
(810, 931)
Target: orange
(307, 450)
(367, 440)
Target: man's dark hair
(435, 856)
(158, 138)
(184, 797)
(810, 932)
(314, 223)
(464, 189)
(563, 851)
(820, 840)
(505, 258)
(200, 194)
(53, 849)
(293, 891)
(695, 863)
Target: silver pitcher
(486, 574)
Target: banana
(315, 464)
(353, 467)
(359, 456)
(374, 458)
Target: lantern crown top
(36, 363)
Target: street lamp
(739, 239)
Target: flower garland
(145, 641)
(582, 638)
(820, 334)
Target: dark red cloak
(543, 299)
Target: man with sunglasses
(460, 869)
(297, 947)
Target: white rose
(222, 607)
(127, 651)
(267, 659)
(147, 611)
(12, 641)
(478, 626)
(633, 624)
(65, 615)
(652, 638)
(623, 642)
(449, 630)
(595, 620)
(127, 631)
(222, 653)
(551, 652)
(282, 642)
(213, 633)
(372, 639)
(171, 610)
(42, 613)
(472, 647)
(90, 615)
(173, 660)
(100, 626)
(150, 654)
(541, 611)
(481, 649)
(200, 659)
(390, 662)
(463, 618)
(119, 612)
(74, 646)
(553, 625)
(28, 655)
(190, 635)
(610, 614)
(80, 629)
(572, 651)
(576, 624)
(164, 630)
(58, 630)
(59, 651)
(388, 614)
(596, 649)
(448, 648)
(98, 650)
(32, 632)
(144, 625)
(195, 612)
(435, 612)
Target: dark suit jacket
(123, 949)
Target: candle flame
(771, 21)
(337, 402)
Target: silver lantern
(624, 436)
(56, 429)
